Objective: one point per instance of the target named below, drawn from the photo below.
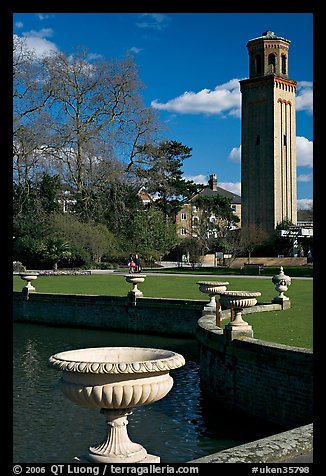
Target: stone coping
(172, 302)
(273, 449)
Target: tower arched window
(271, 63)
(283, 64)
(258, 68)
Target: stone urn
(135, 279)
(282, 282)
(212, 288)
(237, 301)
(116, 380)
(29, 277)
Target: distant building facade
(188, 216)
(268, 152)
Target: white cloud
(43, 16)
(224, 99)
(200, 179)
(43, 33)
(304, 203)
(135, 50)
(19, 24)
(304, 152)
(235, 154)
(234, 187)
(37, 42)
(304, 178)
(156, 21)
(94, 56)
(304, 99)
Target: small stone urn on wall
(282, 282)
(212, 288)
(135, 279)
(116, 380)
(28, 288)
(237, 301)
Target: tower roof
(269, 35)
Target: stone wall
(175, 317)
(268, 261)
(270, 381)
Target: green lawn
(291, 327)
(292, 271)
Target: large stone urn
(135, 279)
(116, 380)
(212, 288)
(29, 277)
(282, 282)
(237, 301)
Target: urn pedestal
(212, 288)
(135, 279)
(116, 380)
(237, 301)
(29, 277)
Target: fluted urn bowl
(134, 279)
(116, 380)
(28, 277)
(238, 300)
(116, 377)
(212, 288)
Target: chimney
(212, 182)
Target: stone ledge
(273, 449)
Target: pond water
(49, 428)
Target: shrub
(18, 267)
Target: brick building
(190, 213)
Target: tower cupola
(268, 54)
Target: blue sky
(191, 64)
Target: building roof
(305, 216)
(269, 35)
(144, 196)
(208, 192)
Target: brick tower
(268, 152)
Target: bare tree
(252, 236)
(99, 119)
(80, 120)
(31, 95)
(30, 92)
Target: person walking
(131, 264)
(138, 264)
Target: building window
(283, 64)
(284, 139)
(233, 207)
(183, 216)
(257, 139)
(183, 231)
(271, 63)
(195, 221)
(258, 64)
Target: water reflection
(48, 428)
